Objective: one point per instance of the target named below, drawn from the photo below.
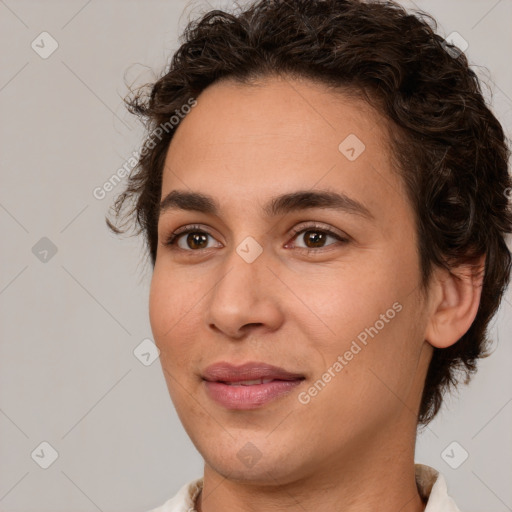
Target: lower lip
(249, 397)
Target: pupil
(316, 238)
(195, 239)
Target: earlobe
(454, 301)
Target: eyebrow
(278, 205)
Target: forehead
(279, 135)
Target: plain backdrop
(74, 298)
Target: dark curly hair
(449, 148)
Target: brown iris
(195, 240)
(317, 238)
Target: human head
(448, 147)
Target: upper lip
(227, 372)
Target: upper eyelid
(304, 226)
(297, 229)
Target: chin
(269, 472)
(254, 458)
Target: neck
(370, 479)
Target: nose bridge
(242, 294)
(245, 269)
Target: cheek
(346, 300)
(161, 308)
(367, 371)
(367, 310)
(171, 307)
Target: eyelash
(173, 237)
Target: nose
(245, 297)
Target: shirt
(431, 486)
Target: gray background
(69, 325)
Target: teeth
(249, 382)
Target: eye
(197, 238)
(315, 236)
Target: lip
(217, 377)
(227, 372)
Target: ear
(454, 299)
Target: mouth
(248, 386)
(252, 371)
(247, 382)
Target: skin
(353, 443)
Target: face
(327, 290)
